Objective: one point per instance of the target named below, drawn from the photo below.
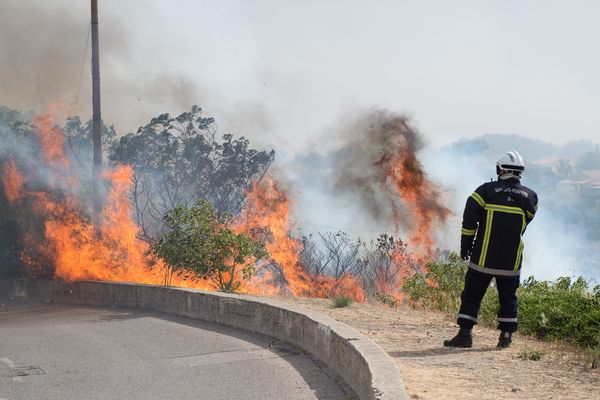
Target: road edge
(361, 363)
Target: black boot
(462, 339)
(504, 340)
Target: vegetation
(386, 299)
(379, 264)
(341, 301)
(176, 160)
(566, 309)
(179, 159)
(531, 354)
(200, 241)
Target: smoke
(381, 148)
(372, 182)
(45, 52)
(360, 164)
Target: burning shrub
(379, 165)
(200, 242)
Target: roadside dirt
(431, 372)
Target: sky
(287, 73)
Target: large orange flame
(420, 196)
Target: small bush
(533, 355)
(341, 301)
(387, 299)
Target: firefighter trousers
(476, 285)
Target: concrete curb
(369, 371)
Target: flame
(12, 181)
(268, 208)
(71, 243)
(51, 140)
(420, 196)
(110, 251)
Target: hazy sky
(285, 73)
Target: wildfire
(111, 250)
(71, 243)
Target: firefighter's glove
(465, 253)
(466, 247)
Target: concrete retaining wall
(370, 371)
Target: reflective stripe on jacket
(495, 218)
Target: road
(71, 352)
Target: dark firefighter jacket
(494, 222)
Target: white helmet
(511, 161)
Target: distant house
(587, 183)
(548, 171)
(556, 164)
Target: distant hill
(531, 149)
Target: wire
(87, 42)
(358, 230)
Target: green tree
(200, 241)
(178, 160)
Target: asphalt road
(69, 352)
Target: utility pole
(96, 115)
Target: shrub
(201, 242)
(386, 299)
(341, 301)
(440, 287)
(564, 309)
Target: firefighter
(495, 218)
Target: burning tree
(201, 242)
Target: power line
(333, 228)
(83, 59)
